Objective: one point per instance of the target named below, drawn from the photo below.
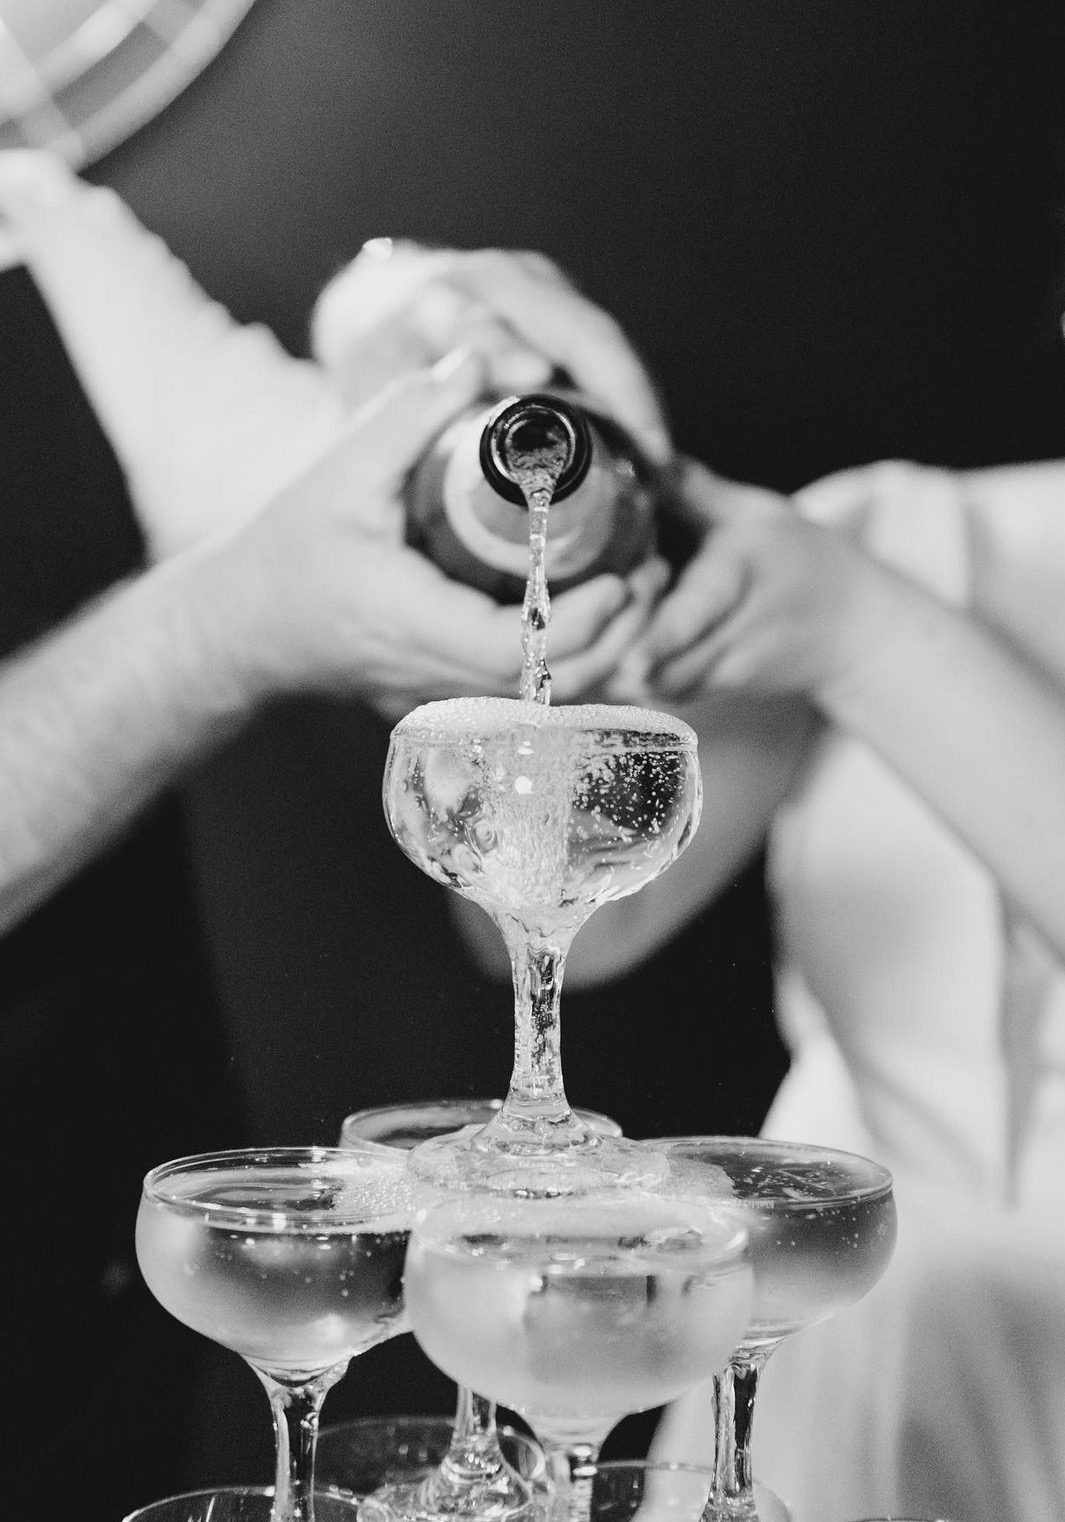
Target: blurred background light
(80, 76)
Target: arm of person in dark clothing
(316, 593)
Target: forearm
(979, 733)
(1005, 525)
(99, 717)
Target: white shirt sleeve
(208, 418)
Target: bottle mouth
(535, 432)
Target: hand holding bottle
(400, 305)
(319, 591)
(770, 602)
(211, 419)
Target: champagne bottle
(467, 511)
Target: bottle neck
(535, 441)
(474, 522)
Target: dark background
(832, 228)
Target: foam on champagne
(479, 718)
(338, 1195)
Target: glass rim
(347, 1160)
(411, 1106)
(205, 1492)
(442, 1419)
(606, 1125)
(432, 723)
(880, 1179)
(182, 1497)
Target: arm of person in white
(777, 604)
(315, 592)
(992, 540)
(208, 418)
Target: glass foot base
(502, 1497)
(536, 1170)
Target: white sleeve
(208, 418)
(911, 517)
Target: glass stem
(536, 1101)
(295, 1409)
(735, 1390)
(473, 1453)
(571, 1467)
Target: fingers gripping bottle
(467, 512)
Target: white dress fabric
(927, 1030)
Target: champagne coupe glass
(822, 1230)
(579, 1309)
(540, 814)
(473, 1479)
(290, 1256)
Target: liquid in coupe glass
(540, 815)
(579, 1310)
(291, 1257)
(822, 1227)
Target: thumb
(391, 432)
